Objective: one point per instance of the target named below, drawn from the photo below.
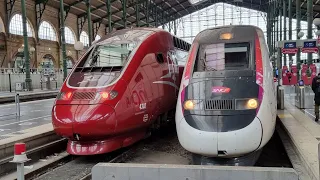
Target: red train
(125, 84)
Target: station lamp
(301, 34)
(78, 46)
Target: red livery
(123, 85)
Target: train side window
(160, 58)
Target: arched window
(46, 31)
(84, 38)
(2, 29)
(98, 38)
(15, 26)
(69, 36)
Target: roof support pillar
(290, 29)
(310, 19)
(26, 47)
(298, 12)
(9, 9)
(269, 28)
(147, 12)
(124, 13)
(175, 27)
(89, 22)
(284, 28)
(109, 15)
(274, 22)
(137, 14)
(280, 29)
(63, 40)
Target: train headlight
(252, 104)
(64, 96)
(109, 95)
(245, 104)
(188, 105)
(226, 36)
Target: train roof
(137, 28)
(207, 34)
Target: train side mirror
(160, 58)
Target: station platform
(9, 97)
(303, 135)
(33, 127)
(32, 114)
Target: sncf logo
(220, 89)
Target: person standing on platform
(316, 90)
(289, 76)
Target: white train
(226, 110)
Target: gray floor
(13, 93)
(290, 97)
(33, 114)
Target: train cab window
(160, 58)
(223, 56)
(109, 55)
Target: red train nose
(83, 121)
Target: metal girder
(67, 9)
(143, 7)
(124, 13)
(96, 27)
(96, 8)
(9, 8)
(130, 4)
(40, 7)
(80, 23)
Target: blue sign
(290, 45)
(310, 44)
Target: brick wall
(43, 47)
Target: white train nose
(226, 144)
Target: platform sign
(310, 47)
(290, 48)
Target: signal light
(252, 104)
(188, 105)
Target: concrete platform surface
(32, 114)
(157, 157)
(118, 171)
(33, 137)
(9, 97)
(303, 133)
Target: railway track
(162, 146)
(79, 167)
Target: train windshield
(223, 56)
(110, 55)
(104, 62)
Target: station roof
(173, 9)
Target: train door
(173, 70)
(143, 94)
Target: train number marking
(145, 118)
(143, 106)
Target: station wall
(10, 43)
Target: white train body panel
(212, 126)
